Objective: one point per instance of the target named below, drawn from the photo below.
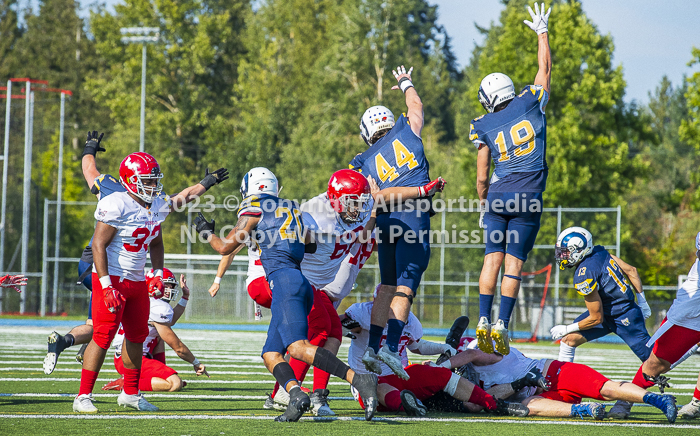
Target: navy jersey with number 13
(517, 138)
(279, 233)
(398, 159)
(599, 272)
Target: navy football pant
(512, 223)
(292, 299)
(629, 326)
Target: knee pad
(513, 277)
(408, 297)
(451, 386)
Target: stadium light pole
(141, 35)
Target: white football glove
(559, 331)
(642, 303)
(539, 19)
(482, 212)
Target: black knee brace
(401, 294)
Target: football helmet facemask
(573, 245)
(349, 194)
(259, 181)
(375, 119)
(496, 88)
(140, 174)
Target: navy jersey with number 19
(398, 159)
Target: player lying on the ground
(128, 229)
(424, 382)
(274, 225)
(569, 384)
(155, 375)
(513, 135)
(678, 334)
(602, 279)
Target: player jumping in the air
(274, 226)
(396, 160)
(677, 337)
(568, 384)
(608, 285)
(101, 185)
(155, 374)
(514, 135)
(128, 227)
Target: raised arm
(539, 23)
(413, 102)
(236, 237)
(89, 165)
(179, 309)
(192, 192)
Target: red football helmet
(136, 168)
(170, 290)
(349, 193)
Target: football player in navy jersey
(513, 135)
(608, 285)
(274, 226)
(396, 160)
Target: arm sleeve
(585, 280)
(109, 211)
(361, 313)
(250, 206)
(356, 163)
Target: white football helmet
(573, 245)
(496, 88)
(373, 120)
(259, 181)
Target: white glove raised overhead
(539, 19)
(559, 331)
(642, 303)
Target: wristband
(182, 302)
(195, 362)
(405, 83)
(217, 280)
(571, 328)
(105, 281)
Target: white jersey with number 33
(136, 228)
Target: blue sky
(652, 38)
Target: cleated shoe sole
(412, 405)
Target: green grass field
(230, 402)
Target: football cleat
(137, 402)
(372, 363)
(483, 335)
(281, 399)
(114, 385)
(665, 403)
(499, 334)
(505, 408)
(81, 353)
(299, 402)
(533, 378)
(366, 386)
(319, 403)
(83, 404)
(690, 410)
(594, 410)
(412, 405)
(269, 403)
(54, 343)
(393, 361)
(621, 410)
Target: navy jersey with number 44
(279, 233)
(398, 159)
(599, 272)
(516, 137)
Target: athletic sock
(566, 352)
(480, 397)
(321, 379)
(87, 381)
(485, 303)
(274, 391)
(640, 381)
(507, 305)
(392, 400)
(394, 330)
(300, 369)
(69, 340)
(375, 336)
(131, 380)
(696, 395)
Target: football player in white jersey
(568, 384)
(679, 333)
(155, 374)
(128, 226)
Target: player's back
(516, 137)
(105, 185)
(397, 159)
(599, 271)
(279, 234)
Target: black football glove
(202, 226)
(349, 323)
(211, 179)
(92, 145)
